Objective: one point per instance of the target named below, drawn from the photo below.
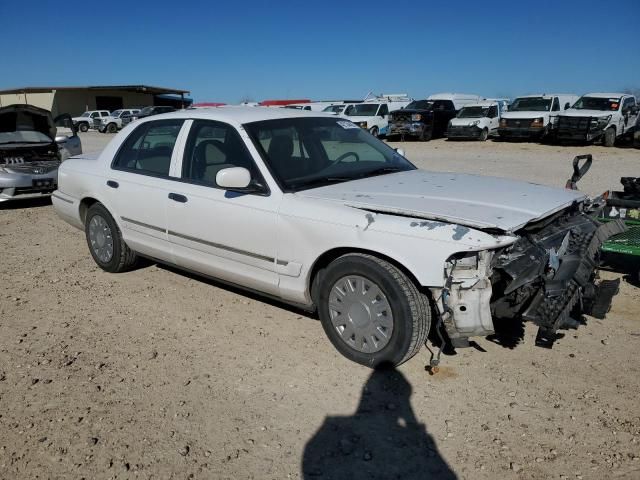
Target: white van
(459, 99)
(534, 116)
(476, 121)
(373, 113)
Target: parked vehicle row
(110, 122)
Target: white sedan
(314, 211)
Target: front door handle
(176, 197)
(112, 184)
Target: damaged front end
(547, 276)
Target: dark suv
(149, 111)
(424, 119)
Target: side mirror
(567, 105)
(61, 139)
(233, 178)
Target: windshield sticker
(347, 125)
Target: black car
(424, 119)
(149, 111)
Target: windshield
(362, 110)
(420, 105)
(146, 110)
(86, 114)
(311, 152)
(473, 112)
(530, 104)
(596, 103)
(117, 113)
(334, 108)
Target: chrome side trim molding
(145, 225)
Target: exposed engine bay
(547, 276)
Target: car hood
(467, 121)
(586, 113)
(525, 115)
(27, 117)
(471, 200)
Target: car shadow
(383, 439)
(274, 302)
(21, 203)
(509, 332)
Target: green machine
(623, 248)
(625, 205)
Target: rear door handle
(176, 197)
(112, 184)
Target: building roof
(128, 88)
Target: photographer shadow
(382, 440)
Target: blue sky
(228, 51)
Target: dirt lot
(158, 374)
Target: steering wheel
(345, 155)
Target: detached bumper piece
(573, 284)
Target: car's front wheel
(609, 137)
(84, 127)
(374, 131)
(112, 128)
(106, 245)
(371, 311)
(484, 134)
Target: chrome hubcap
(100, 238)
(360, 313)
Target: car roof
(240, 114)
(480, 104)
(605, 95)
(548, 95)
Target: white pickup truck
(115, 121)
(598, 116)
(85, 121)
(373, 113)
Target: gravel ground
(159, 374)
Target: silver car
(31, 152)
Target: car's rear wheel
(84, 127)
(371, 311)
(106, 245)
(609, 137)
(484, 134)
(112, 128)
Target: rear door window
(149, 148)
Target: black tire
(374, 131)
(483, 135)
(112, 128)
(83, 127)
(426, 135)
(410, 308)
(123, 258)
(609, 138)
